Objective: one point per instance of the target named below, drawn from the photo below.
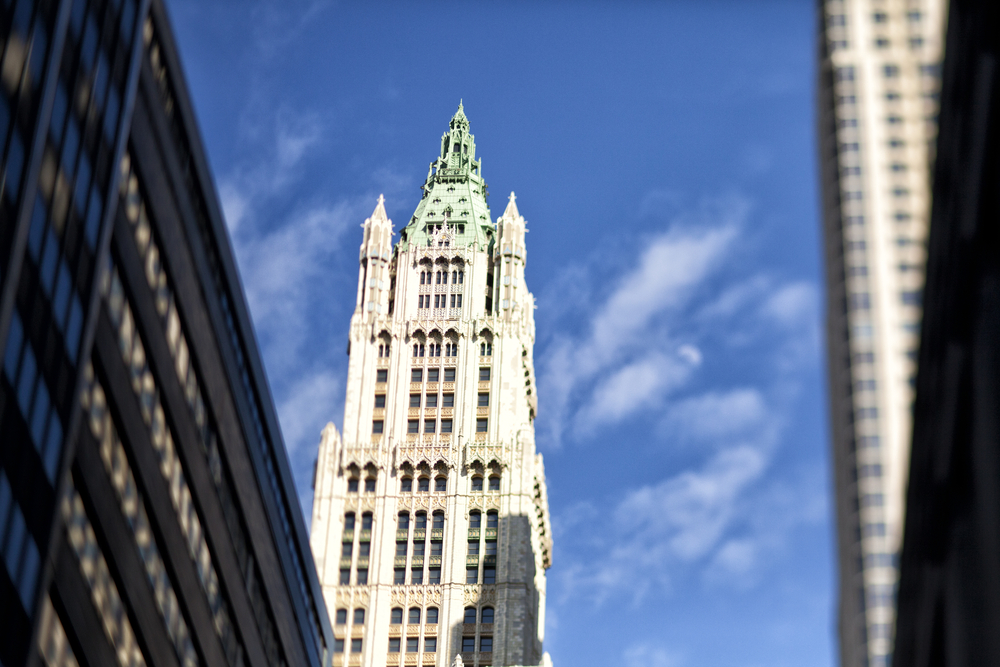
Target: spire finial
(379, 212)
(511, 210)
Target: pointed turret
(376, 251)
(510, 259)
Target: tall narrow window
(485, 644)
(414, 618)
(370, 485)
(433, 575)
(417, 575)
(470, 615)
(341, 616)
(366, 521)
(403, 521)
(484, 400)
(477, 483)
(440, 484)
(438, 520)
(494, 483)
(424, 484)
(416, 375)
(394, 645)
(352, 485)
(411, 644)
(396, 616)
(433, 373)
(449, 373)
(349, 521)
(432, 616)
(484, 374)
(362, 577)
(475, 518)
(430, 644)
(406, 485)
(359, 617)
(421, 520)
(468, 643)
(492, 519)
(472, 575)
(487, 614)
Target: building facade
(147, 512)
(877, 111)
(430, 519)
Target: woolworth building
(430, 522)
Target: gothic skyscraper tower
(430, 519)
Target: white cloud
(648, 655)
(718, 415)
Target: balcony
(345, 562)
(448, 386)
(447, 412)
(490, 561)
(413, 412)
(412, 658)
(363, 562)
(491, 534)
(417, 561)
(401, 534)
(430, 630)
(366, 535)
(437, 534)
(472, 561)
(432, 387)
(413, 630)
(348, 536)
(416, 387)
(434, 561)
(419, 534)
(473, 534)
(429, 659)
(395, 631)
(399, 561)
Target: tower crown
(453, 209)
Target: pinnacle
(511, 210)
(379, 212)
(459, 119)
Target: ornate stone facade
(430, 521)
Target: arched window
(370, 485)
(421, 521)
(475, 520)
(485, 349)
(366, 521)
(352, 485)
(494, 483)
(349, 521)
(406, 484)
(359, 617)
(438, 281)
(440, 484)
(396, 616)
(461, 277)
(424, 484)
(477, 483)
(414, 616)
(454, 277)
(432, 616)
(487, 616)
(421, 277)
(470, 616)
(341, 616)
(492, 519)
(444, 277)
(438, 520)
(404, 521)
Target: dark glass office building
(147, 511)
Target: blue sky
(663, 155)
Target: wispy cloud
(648, 655)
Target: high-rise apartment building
(878, 101)
(147, 512)
(430, 518)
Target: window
(432, 616)
(882, 43)
(456, 300)
(369, 485)
(438, 520)
(472, 575)
(446, 426)
(383, 350)
(481, 425)
(401, 548)
(484, 374)
(396, 616)
(485, 644)
(434, 373)
(430, 425)
(485, 349)
(440, 484)
(359, 617)
(338, 645)
(424, 485)
(366, 521)
(414, 400)
(418, 348)
(880, 17)
(417, 375)
(423, 275)
(403, 521)
(345, 576)
(890, 71)
(450, 350)
(474, 548)
(470, 615)
(417, 575)
(365, 549)
(406, 485)
(487, 614)
(379, 400)
(468, 643)
(435, 350)
(431, 401)
(449, 374)
(377, 426)
(421, 520)
(414, 617)
(434, 575)
(494, 483)
(437, 276)
(477, 483)
(349, 521)
(352, 485)
(382, 375)
(492, 519)
(484, 400)
(413, 426)
(399, 575)
(489, 575)
(411, 644)
(475, 518)
(394, 645)
(430, 644)
(418, 548)
(341, 616)
(448, 400)
(347, 549)
(355, 646)
(362, 577)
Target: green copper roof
(454, 194)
